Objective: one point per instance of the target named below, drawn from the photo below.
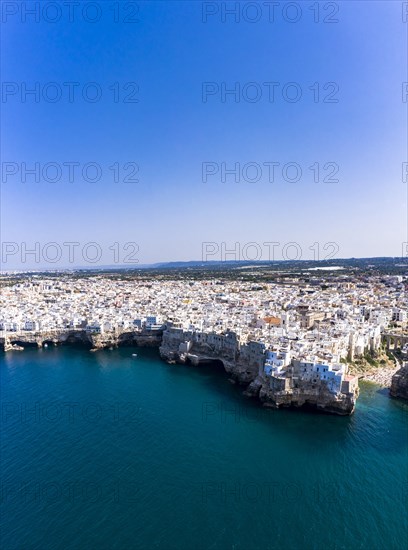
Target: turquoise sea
(106, 451)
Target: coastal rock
(12, 347)
(180, 347)
(95, 341)
(254, 388)
(399, 384)
(279, 393)
(244, 363)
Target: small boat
(134, 354)
(46, 345)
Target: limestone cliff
(242, 368)
(399, 384)
(245, 364)
(283, 392)
(95, 341)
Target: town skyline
(325, 263)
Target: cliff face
(92, 340)
(109, 339)
(245, 365)
(279, 392)
(399, 384)
(243, 362)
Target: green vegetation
(370, 359)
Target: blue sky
(169, 52)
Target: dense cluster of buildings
(309, 324)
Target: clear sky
(168, 123)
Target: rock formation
(92, 340)
(284, 392)
(245, 362)
(399, 383)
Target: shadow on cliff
(24, 344)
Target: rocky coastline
(394, 378)
(317, 397)
(259, 387)
(381, 376)
(243, 367)
(399, 384)
(91, 340)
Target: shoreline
(382, 376)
